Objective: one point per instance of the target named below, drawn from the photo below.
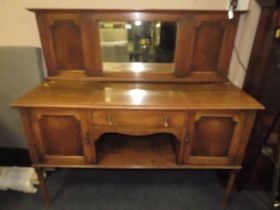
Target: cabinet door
(69, 43)
(214, 137)
(62, 137)
(205, 43)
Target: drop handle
(165, 121)
(109, 119)
(87, 137)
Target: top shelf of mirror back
(122, 45)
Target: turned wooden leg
(43, 187)
(229, 186)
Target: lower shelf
(122, 150)
(116, 151)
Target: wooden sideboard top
(125, 95)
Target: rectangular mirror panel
(138, 46)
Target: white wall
(20, 70)
(18, 26)
(243, 44)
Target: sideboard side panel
(29, 134)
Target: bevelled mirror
(137, 46)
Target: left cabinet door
(70, 43)
(61, 136)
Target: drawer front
(138, 118)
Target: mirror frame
(112, 63)
(142, 16)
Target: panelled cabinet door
(214, 137)
(206, 47)
(68, 43)
(62, 137)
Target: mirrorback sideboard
(144, 89)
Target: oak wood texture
(83, 117)
(138, 118)
(43, 188)
(205, 45)
(141, 96)
(52, 100)
(171, 166)
(210, 121)
(29, 134)
(61, 52)
(71, 43)
(139, 123)
(142, 77)
(229, 186)
(60, 136)
(214, 137)
(138, 151)
(130, 149)
(117, 69)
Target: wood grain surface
(117, 95)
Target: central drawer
(138, 118)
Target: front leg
(229, 186)
(43, 187)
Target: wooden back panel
(71, 43)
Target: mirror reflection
(137, 46)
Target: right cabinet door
(213, 137)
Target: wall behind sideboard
(18, 26)
(20, 70)
(243, 44)
(21, 65)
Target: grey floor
(134, 190)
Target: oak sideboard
(143, 89)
